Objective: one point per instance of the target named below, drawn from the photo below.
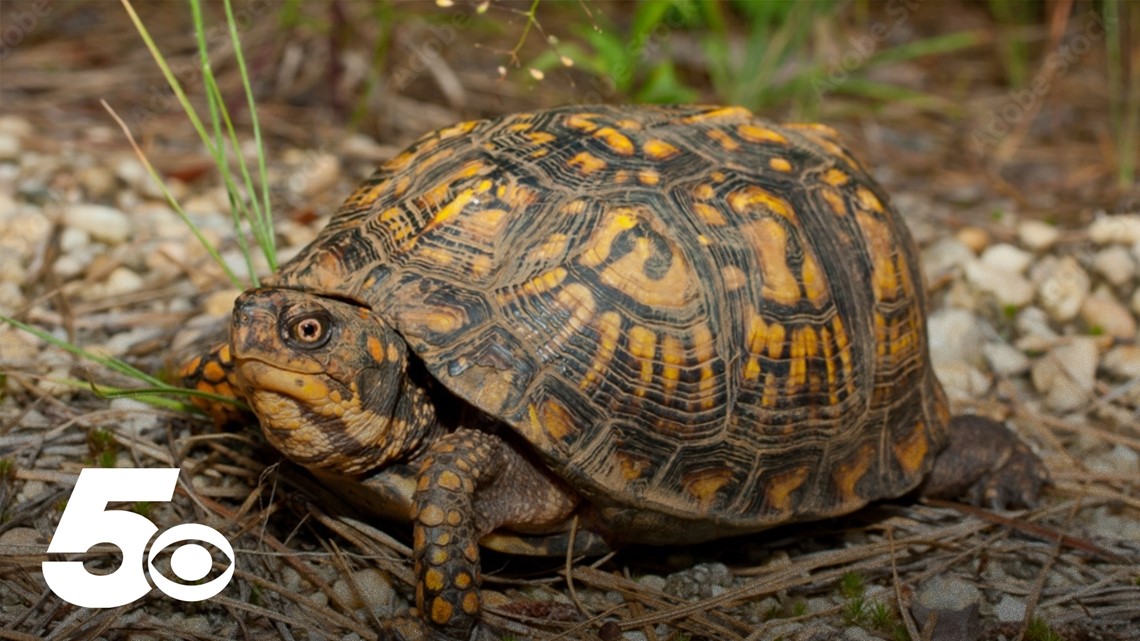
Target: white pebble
(1010, 609)
(1123, 361)
(1067, 373)
(962, 381)
(9, 147)
(1103, 314)
(1008, 288)
(1037, 235)
(122, 281)
(1007, 258)
(1121, 228)
(943, 257)
(1063, 288)
(1005, 360)
(1115, 263)
(101, 222)
(955, 335)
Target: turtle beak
(253, 325)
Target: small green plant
(142, 508)
(855, 611)
(1040, 630)
(7, 470)
(852, 585)
(102, 447)
(1123, 87)
(799, 608)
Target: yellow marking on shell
(717, 114)
(825, 137)
(711, 215)
(748, 200)
(843, 348)
(597, 247)
(608, 326)
(848, 474)
(481, 265)
(553, 248)
(400, 187)
(574, 207)
(704, 347)
(621, 177)
(441, 611)
(541, 137)
(587, 163)
(550, 422)
(581, 122)
(869, 200)
(803, 347)
(377, 350)
(703, 486)
(704, 191)
(911, 450)
(540, 152)
(580, 302)
(673, 355)
(704, 240)
(659, 149)
(544, 282)
(432, 516)
(449, 480)
(718, 176)
(780, 164)
(629, 124)
(756, 133)
(836, 177)
(770, 241)
(628, 275)
(516, 196)
(439, 320)
(779, 488)
(484, 225)
(632, 467)
(618, 142)
(726, 141)
(458, 129)
(885, 277)
(470, 602)
(829, 363)
(814, 281)
(433, 580)
(395, 222)
(643, 347)
(834, 200)
(648, 176)
(437, 256)
(520, 126)
(772, 390)
(734, 277)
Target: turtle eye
(309, 331)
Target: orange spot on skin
(432, 516)
(780, 487)
(470, 603)
(449, 480)
(911, 450)
(441, 611)
(433, 580)
(463, 580)
(213, 371)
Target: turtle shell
(700, 320)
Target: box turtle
(607, 325)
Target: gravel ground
(1031, 323)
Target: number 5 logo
(87, 521)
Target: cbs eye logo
(87, 521)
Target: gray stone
(1010, 609)
(1115, 264)
(951, 606)
(1062, 287)
(1037, 235)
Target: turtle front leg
(471, 483)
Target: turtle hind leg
(986, 464)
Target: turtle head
(323, 376)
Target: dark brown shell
(693, 314)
